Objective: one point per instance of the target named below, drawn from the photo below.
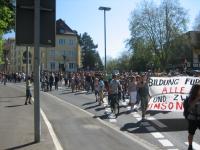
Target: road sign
(25, 22)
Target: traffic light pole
(27, 67)
(37, 124)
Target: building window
(72, 53)
(52, 53)
(62, 31)
(71, 42)
(71, 66)
(61, 41)
(52, 65)
(198, 58)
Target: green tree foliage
(121, 63)
(7, 21)
(153, 28)
(1, 51)
(7, 16)
(90, 57)
(112, 64)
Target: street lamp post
(64, 58)
(104, 10)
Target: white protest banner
(168, 93)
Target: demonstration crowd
(116, 87)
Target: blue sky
(84, 16)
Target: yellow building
(65, 56)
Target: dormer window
(62, 31)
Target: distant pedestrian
(143, 92)
(132, 91)
(96, 87)
(51, 80)
(56, 82)
(194, 113)
(28, 92)
(101, 90)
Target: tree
(90, 57)
(7, 21)
(154, 27)
(112, 64)
(7, 16)
(121, 63)
(197, 23)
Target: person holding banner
(143, 92)
(194, 113)
(132, 91)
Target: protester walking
(193, 113)
(96, 87)
(28, 92)
(114, 90)
(101, 90)
(132, 91)
(143, 92)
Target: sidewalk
(17, 123)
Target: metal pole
(27, 68)
(105, 36)
(37, 125)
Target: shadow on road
(103, 117)
(88, 103)
(152, 113)
(172, 125)
(70, 92)
(21, 146)
(14, 106)
(91, 107)
(99, 109)
(79, 93)
(133, 128)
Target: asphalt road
(167, 130)
(77, 129)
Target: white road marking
(166, 143)
(112, 120)
(127, 100)
(138, 118)
(51, 131)
(151, 118)
(136, 115)
(156, 122)
(195, 145)
(128, 108)
(157, 135)
(105, 104)
(108, 110)
(124, 103)
(173, 149)
(151, 129)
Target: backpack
(186, 106)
